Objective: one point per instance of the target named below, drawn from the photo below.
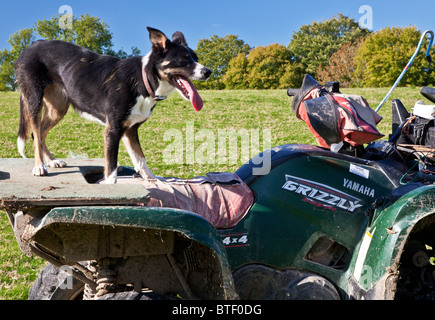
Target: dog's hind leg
(32, 78)
(131, 142)
(33, 105)
(24, 129)
(56, 106)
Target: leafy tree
(93, 34)
(237, 75)
(384, 55)
(341, 66)
(293, 75)
(267, 67)
(51, 30)
(216, 53)
(313, 44)
(123, 55)
(7, 79)
(18, 41)
(86, 31)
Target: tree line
(87, 31)
(337, 49)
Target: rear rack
(68, 186)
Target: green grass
(74, 137)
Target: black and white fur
(53, 75)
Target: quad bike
(340, 221)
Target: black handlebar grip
(292, 92)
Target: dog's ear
(178, 37)
(158, 39)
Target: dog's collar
(148, 87)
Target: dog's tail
(23, 130)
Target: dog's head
(177, 64)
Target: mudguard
(381, 248)
(74, 234)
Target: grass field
(254, 111)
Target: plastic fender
(382, 245)
(76, 219)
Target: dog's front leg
(132, 144)
(111, 149)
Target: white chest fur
(141, 111)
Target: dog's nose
(206, 73)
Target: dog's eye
(186, 59)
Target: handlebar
(292, 92)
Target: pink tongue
(195, 98)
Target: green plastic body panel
(183, 222)
(388, 232)
(285, 222)
(187, 223)
(310, 194)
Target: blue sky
(258, 23)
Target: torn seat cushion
(223, 199)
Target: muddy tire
(416, 279)
(54, 284)
(313, 287)
(132, 295)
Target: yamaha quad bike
(353, 218)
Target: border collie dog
(118, 93)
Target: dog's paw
(109, 181)
(154, 178)
(112, 178)
(146, 174)
(55, 163)
(40, 170)
(149, 176)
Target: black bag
(333, 117)
(418, 131)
